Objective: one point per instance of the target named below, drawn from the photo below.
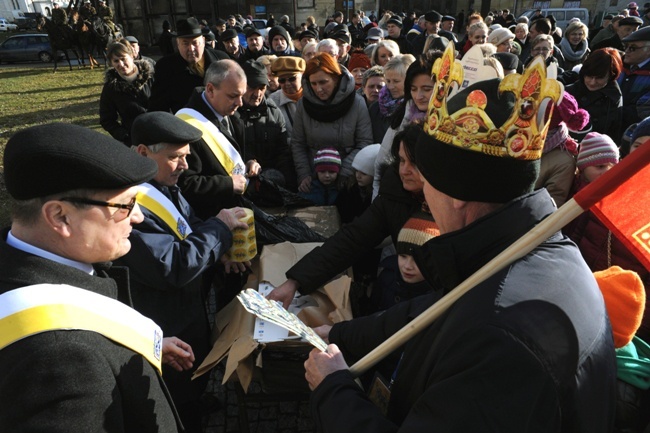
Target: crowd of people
(122, 236)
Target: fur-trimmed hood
(145, 74)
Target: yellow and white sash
(41, 308)
(219, 145)
(157, 203)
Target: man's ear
(142, 150)
(56, 215)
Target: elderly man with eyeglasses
(75, 356)
(634, 81)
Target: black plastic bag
(265, 192)
(272, 229)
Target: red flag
(623, 205)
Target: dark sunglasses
(290, 79)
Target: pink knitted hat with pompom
(568, 112)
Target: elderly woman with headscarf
(330, 113)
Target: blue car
(26, 48)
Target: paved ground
(239, 412)
(263, 417)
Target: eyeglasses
(290, 79)
(128, 206)
(633, 48)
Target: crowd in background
(331, 114)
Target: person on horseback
(106, 13)
(59, 16)
(87, 11)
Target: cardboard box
(324, 220)
(235, 326)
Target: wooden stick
(517, 250)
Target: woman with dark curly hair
(598, 92)
(126, 92)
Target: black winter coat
(266, 140)
(380, 123)
(385, 217)
(75, 380)
(530, 349)
(174, 82)
(605, 107)
(121, 102)
(166, 277)
(206, 184)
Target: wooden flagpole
(596, 191)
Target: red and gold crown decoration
(521, 136)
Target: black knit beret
(228, 34)
(432, 17)
(58, 157)
(161, 127)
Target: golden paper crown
(521, 136)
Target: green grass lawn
(34, 95)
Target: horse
(104, 36)
(85, 38)
(61, 39)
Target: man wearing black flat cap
(135, 44)
(230, 41)
(626, 27)
(529, 348)
(255, 47)
(447, 27)
(173, 253)
(431, 26)
(394, 27)
(342, 37)
(265, 131)
(178, 74)
(308, 36)
(210, 39)
(75, 358)
(220, 26)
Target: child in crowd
(401, 279)
(356, 197)
(598, 245)
(640, 134)
(323, 191)
(625, 299)
(352, 201)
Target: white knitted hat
(364, 161)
